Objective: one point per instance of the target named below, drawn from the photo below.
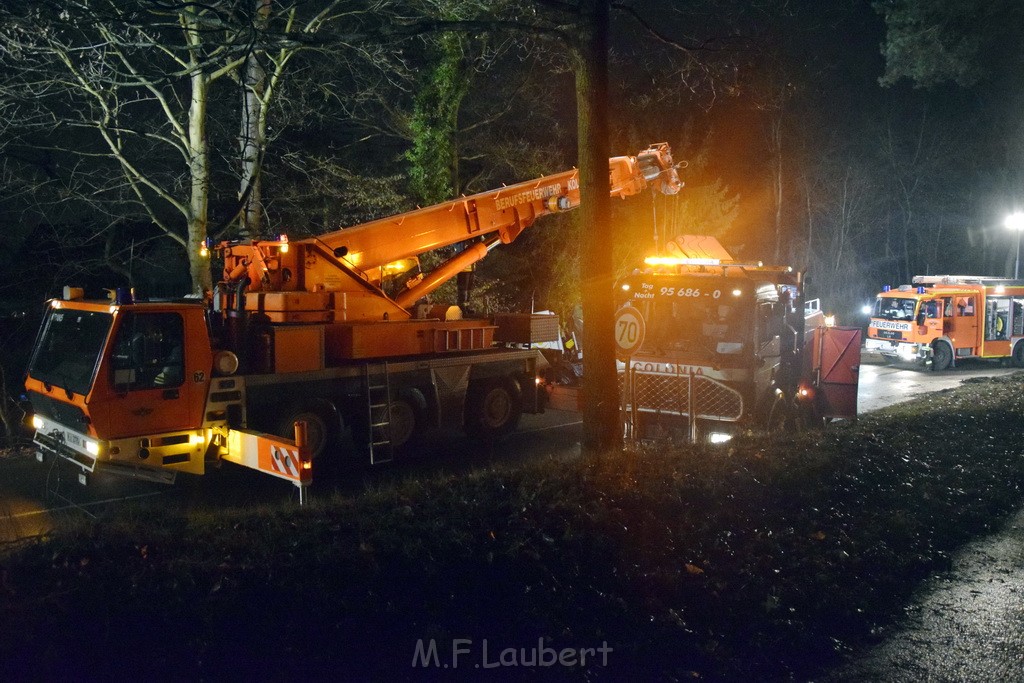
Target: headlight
(92, 447)
(37, 422)
(907, 351)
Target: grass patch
(766, 559)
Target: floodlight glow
(674, 261)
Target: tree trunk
(809, 251)
(199, 168)
(601, 425)
(252, 133)
(776, 135)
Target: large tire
(322, 430)
(942, 357)
(1018, 355)
(493, 408)
(806, 417)
(777, 414)
(406, 422)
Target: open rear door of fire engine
(836, 362)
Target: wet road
(34, 497)
(964, 625)
(883, 385)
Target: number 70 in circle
(629, 330)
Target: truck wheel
(777, 415)
(942, 357)
(321, 432)
(405, 422)
(807, 418)
(1018, 355)
(493, 408)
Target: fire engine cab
(939, 319)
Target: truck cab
(720, 352)
(122, 383)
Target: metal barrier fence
(694, 397)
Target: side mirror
(921, 318)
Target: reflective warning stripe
(285, 461)
(266, 453)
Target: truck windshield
(696, 325)
(69, 348)
(893, 308)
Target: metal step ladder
(378, 404)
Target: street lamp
(1015, 222)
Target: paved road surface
(966, 624)
(882, 385)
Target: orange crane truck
(299, 340)
(710, 346)
(939, 319)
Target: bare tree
(110, 73)
(269, 48)
(130, 88)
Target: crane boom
(507, 211)
(352, 260)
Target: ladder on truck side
(378, 412)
